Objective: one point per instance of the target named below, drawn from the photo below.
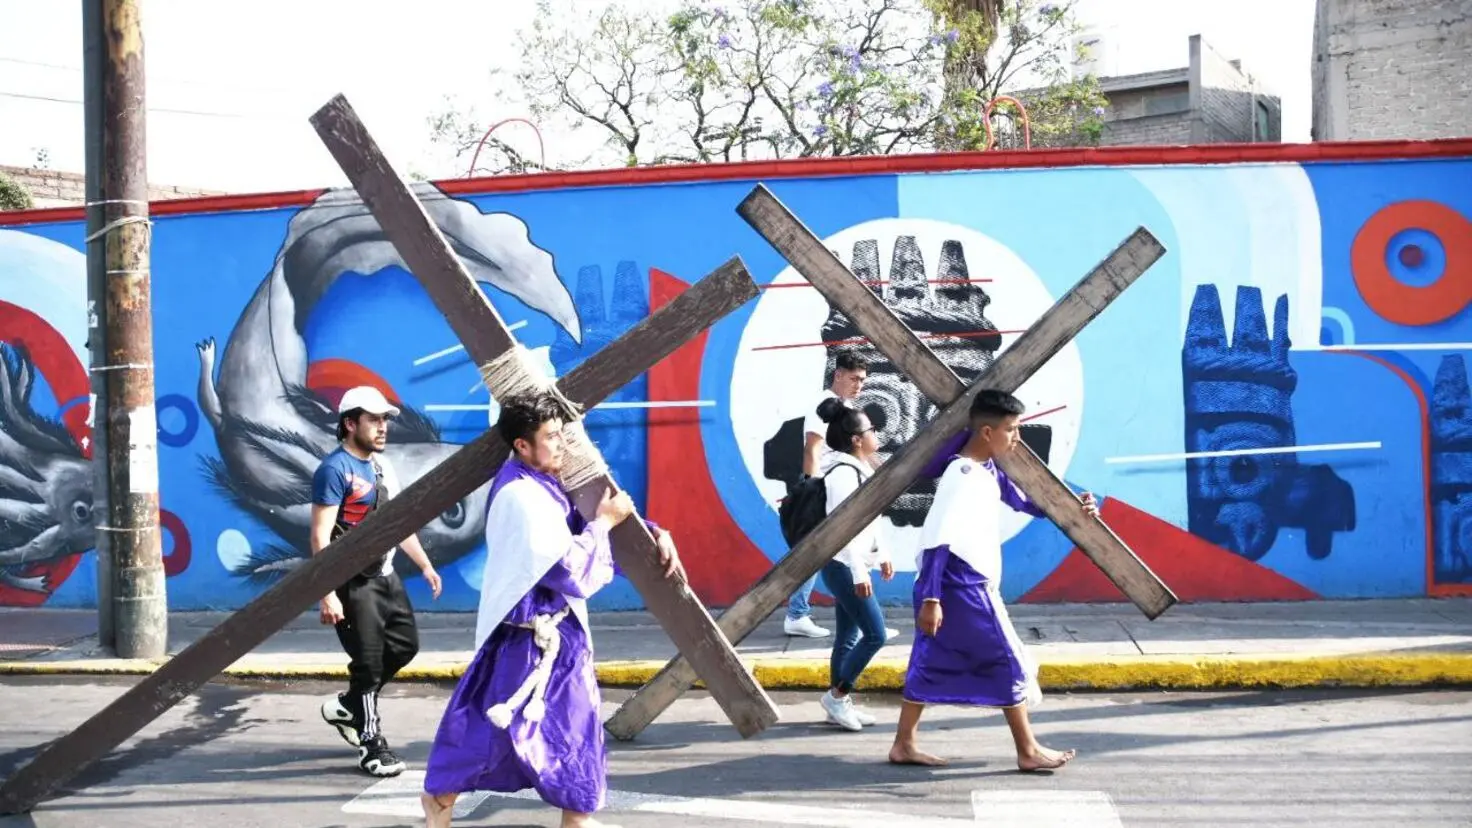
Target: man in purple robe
(526, 712)
(974, 658)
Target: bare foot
(437, 811)
(910, 755)
(1044, 759)
(571, 820)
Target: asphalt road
(255, 754)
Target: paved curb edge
(1144, 672)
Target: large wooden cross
(1012, 367)
(429, 257)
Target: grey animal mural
(45, 481)
(272, 431)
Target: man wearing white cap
(371, 612)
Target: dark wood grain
(590, 383)
(800, 563)
(1091, 535)
(1012, 367)
(485, 336)
(1075, 310)
(811, 258)
(419, 241)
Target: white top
(526, 534)
(867, 550)
(813, 424)
(966, 516)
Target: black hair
(523, 414)
(844, 423)
(342, 422)
(850, 361)
(991, 406)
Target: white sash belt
(544, 635)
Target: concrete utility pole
(94, 59)
(140, 608)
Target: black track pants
(379, 635)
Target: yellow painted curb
(1131, 673)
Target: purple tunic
(562, 756)
(976, 657)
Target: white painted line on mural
(1044, 809)
(457, 348)
(627, 404)
(659, 404)
(1392, 346)
(1193, 455)
(399, 797)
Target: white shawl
(526, 534)
(966, 516)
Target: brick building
(1386, 69)
(1212, 100)
(49, 188)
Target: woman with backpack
(860, 630)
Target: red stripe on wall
(1345, 151)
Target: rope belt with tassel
(534, 686)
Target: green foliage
(12, 195)
(722, 80)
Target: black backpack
(806, 505)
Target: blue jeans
(860, 631)
(797, 605)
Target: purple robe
(976, 657)
(562, 756)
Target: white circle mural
(233, 549)
(49, 279)
(968, 297)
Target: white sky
(224, 115)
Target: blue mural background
(1270, 246)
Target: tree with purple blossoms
(991, 47)
(725, 80)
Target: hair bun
(830, 408)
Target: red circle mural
(178, 560)
(58, 365)
(1395, 300)
(333, 377)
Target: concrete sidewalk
(1081, 647)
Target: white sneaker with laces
(865, 717)
(804, 627)
(841, 712)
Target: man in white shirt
(849, 373)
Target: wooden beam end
(337, 104)
(758, 196)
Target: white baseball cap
(369, 399)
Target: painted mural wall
(1278, 409)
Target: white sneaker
(841, 712)
(863, 716)
(804, 627)
(891, 634)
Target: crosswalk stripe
(399, 796)
(1044, 809)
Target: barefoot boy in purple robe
(966, 651)
(525, 714)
